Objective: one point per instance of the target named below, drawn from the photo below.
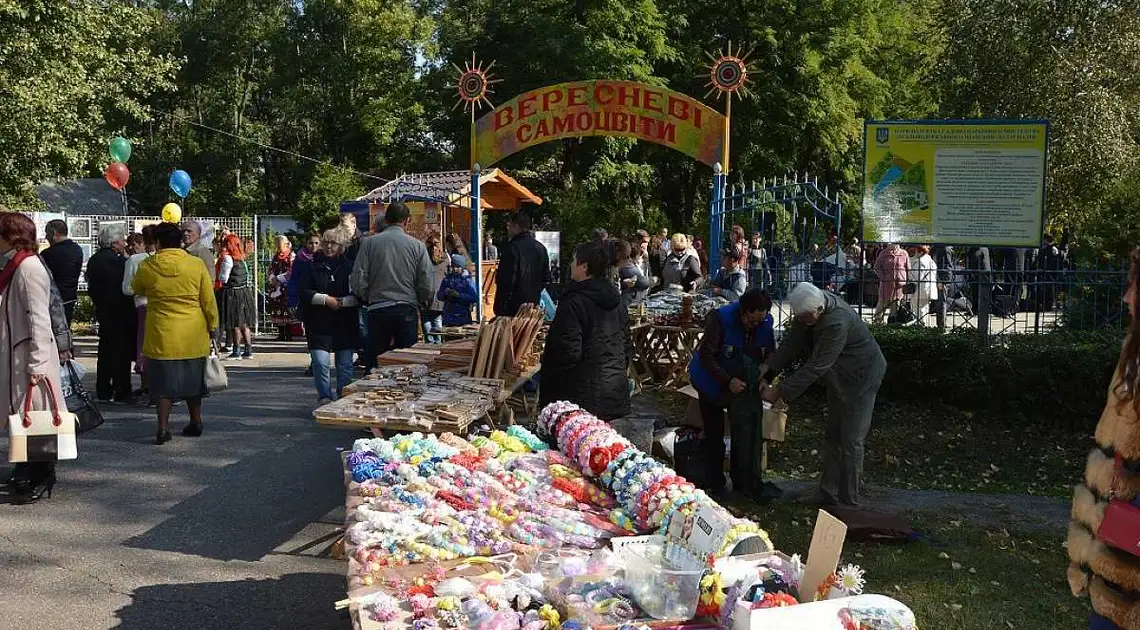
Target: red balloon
(117, 175)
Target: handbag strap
(56, 419)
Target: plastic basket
(662, 591)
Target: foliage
(1056, 378)
(318, 208)
(74, 74)
(251, 97)
(1074, 63)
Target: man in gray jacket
(836, 346)
(392, 277)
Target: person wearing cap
(458, 293)
(836, 347)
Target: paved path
(223, 531)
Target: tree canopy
(286, 106)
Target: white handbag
(216, 377)
(41, 436)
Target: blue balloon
(180, 183)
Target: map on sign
(960, 183)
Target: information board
(976, 182)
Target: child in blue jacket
(458, 293)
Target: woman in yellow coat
(181, 312)
(1110, 576)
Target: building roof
(498, 191)
(81, 197)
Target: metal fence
(994, 302)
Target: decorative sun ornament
(728, 73)
(474, 84)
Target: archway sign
(601, 108)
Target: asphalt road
(229, 530)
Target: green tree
(319, 205)
(74, 74)
(1074, 63)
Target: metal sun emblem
(474, 84)
(728, 73)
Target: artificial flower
(796, 570)
(851, 580)
(775, 600)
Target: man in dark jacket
(524, 268)
(833, 346)
(115, 314)
(588, 347)
(64, 259)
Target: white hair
(805, 298)
(109, 233)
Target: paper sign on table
(823, 554)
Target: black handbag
(79, 402)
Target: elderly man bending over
(837, 347)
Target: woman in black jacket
(330, 313)
(588, 347)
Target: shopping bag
(78, 402)
(41, 436)
(774, 421)
(216, 378)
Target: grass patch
(918, 446)
(958, 577)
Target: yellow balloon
(172, 213)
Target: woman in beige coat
(1110, 577)
(28, 354)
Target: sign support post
(476, 238)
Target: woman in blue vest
(738, 339)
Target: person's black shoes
(162, 437)
(766, 493)
(41, 490)
(194, 429)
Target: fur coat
(1111, 578)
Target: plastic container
(662, 591)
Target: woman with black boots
(29, 356)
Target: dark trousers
(69, 311)
(746, 414)
(712, 443)
(391, 328)
(116, 350)
(847, 425)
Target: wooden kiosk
(441, 203)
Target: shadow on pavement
(286, 602)
(251, 507)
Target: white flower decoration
(851, 579)
(796, 569)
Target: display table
(662, 353)
(500, 532)
(411, 398)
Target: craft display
(673, 308)
(501, 532)
(507, 346)
(449, 356)
(412, 398)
